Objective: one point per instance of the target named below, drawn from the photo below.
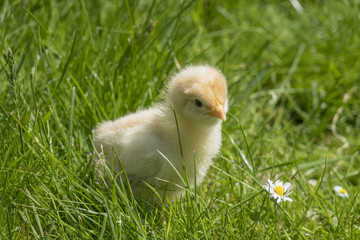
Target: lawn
(293, 74)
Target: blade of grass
(68, 60)
(70, 138)
(37, 220)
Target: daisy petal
(287, 186)
(279, 183)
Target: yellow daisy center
(343, 191)
(279, 190)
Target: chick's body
(147, 140)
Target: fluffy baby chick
(147, 141)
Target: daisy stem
(278, 216)
(281, 224)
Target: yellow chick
(147, 141)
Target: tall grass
(293, 79)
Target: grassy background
(293, 78)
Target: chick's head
(199, 93)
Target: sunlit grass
(293, 79)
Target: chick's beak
(218, 112)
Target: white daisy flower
(279, 191)
(340, 191)
(313, 182)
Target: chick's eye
(198, 103)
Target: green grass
(293, 79)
